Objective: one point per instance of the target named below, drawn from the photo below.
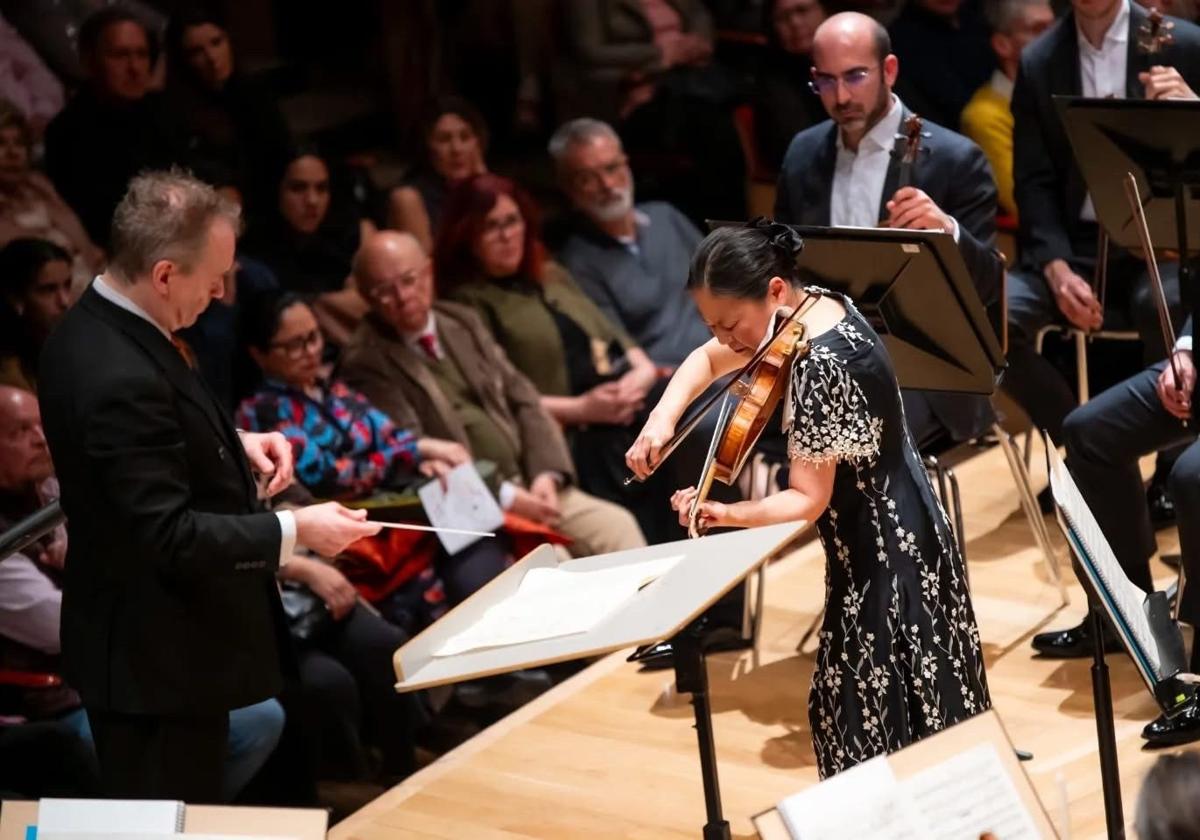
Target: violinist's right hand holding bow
(643, 456)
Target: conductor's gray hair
(577, 132)
(165, 215)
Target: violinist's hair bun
(782, 237)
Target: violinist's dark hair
(739, 262)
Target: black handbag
(307, 616)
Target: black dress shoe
(1171, 732)
(1162, 504)
(1073, 643)
(660, 656)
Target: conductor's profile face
(188, 289)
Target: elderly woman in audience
(35, 292)
(592, 377)
(309, 242)
(31, 207)
(455, 144)
(344, 447)
(233, 129)
(784, 102)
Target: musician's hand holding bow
(912, 209)
(643, 456)
(1165, 83)
(1178, 401)
(712, 514)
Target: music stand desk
(985, 727)
(305, 823)
(710, 568)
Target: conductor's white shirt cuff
(1184, 342)
(287, 536)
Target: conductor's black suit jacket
(169, 605)
(953, 172)
(1049, 186)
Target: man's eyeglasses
(825, 84)
(388, 292)
(295, 348)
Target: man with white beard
(632, 260)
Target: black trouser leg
(160, 757)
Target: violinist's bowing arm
(701, 368)
(809, 489)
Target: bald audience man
(844, 172)
(433, 367)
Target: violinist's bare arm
(701, 368)
(809, 489)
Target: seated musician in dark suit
(1105, 438)
(1086, 53)
(843, 172)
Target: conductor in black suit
(170, 614)
(844, 172)
(1091, 51)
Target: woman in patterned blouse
(345, 448)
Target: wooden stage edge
(612, 752)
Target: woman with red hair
(593, 378)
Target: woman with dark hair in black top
(231, 129)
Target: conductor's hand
(911, 208)
(1074, 296)
(269, 454)
(328, 528)
(1165, 83)
(642, 457)
(1178, 401)
(712, 514)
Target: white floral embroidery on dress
(835, 423)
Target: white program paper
(465, 503)
(552, 601)
(968, 795)
(100, 816)
(862, 803)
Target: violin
(1154, 35)
(910, 137)
(757, 391)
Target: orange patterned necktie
(184, 350)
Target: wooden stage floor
(611, 752)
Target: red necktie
(428, 343)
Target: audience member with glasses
(845, 172)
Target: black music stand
(914, 289)
(1142, 622)
(1159, 142)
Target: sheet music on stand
(1142, 620)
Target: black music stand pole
(1110, 773)
(691, 677)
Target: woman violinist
(899, 655)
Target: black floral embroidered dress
(899, 655)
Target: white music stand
(670, 609)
